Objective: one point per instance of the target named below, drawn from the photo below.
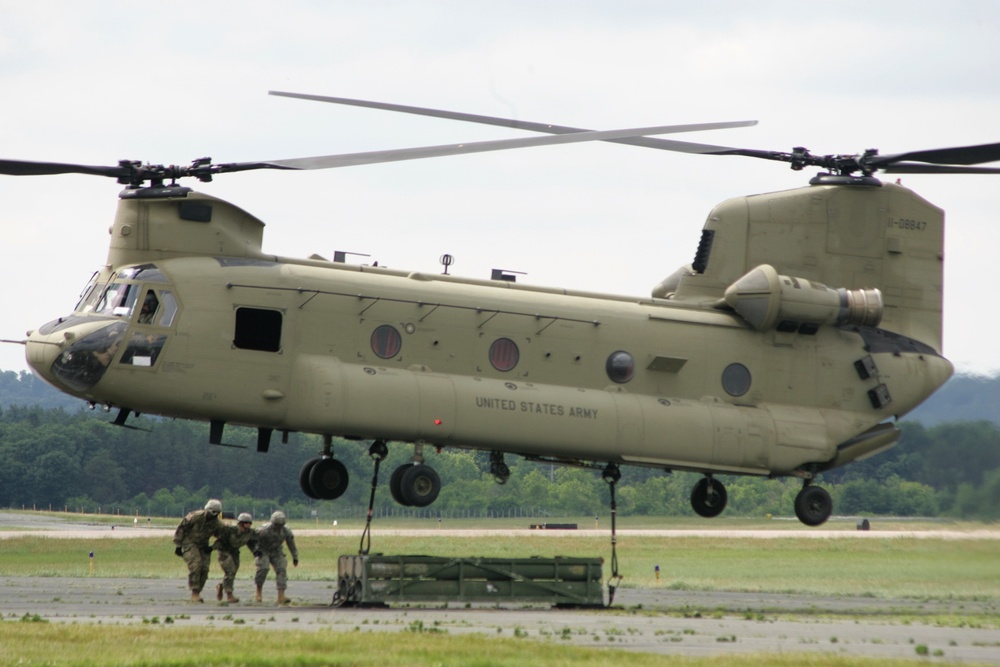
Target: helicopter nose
(73, 355)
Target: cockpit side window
(159, 307)
(168, 308)
(150, 304)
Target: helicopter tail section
(879, 246)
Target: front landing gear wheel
(304, 477)
(813, 505)
(708, 497)
(328, 479)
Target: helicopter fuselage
(368, 352)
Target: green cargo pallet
(375, 580)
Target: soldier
(267, 551)
(191, 541)
(228, 545)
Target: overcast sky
(94, 83)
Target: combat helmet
(244, 517)
(278, 518)
(214, 506)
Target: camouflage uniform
(228, 544)
(267, 551)
(191, 539)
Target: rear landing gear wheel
(813, 505)
(419, 485)
(708, 497)
(397, 474)
(328, 479)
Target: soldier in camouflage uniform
(228, 544)
(267, 551)
(191, 542)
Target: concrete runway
(646, 620)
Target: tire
(328, 479)
(419, 485)
(813, 505)
(708, 498)
(304, 477)
(397, 474)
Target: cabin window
(258, 329)
(620, 366)
(386, 341)
(504, 354)
(736, 379)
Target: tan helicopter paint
(806, 407)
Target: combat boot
(282, 600)
(196, 596)
(218, 592)
(230, 598)
(257, 597)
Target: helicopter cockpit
(78, 350)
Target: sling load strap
(378, 452)
(611, 476)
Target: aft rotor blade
(547, 128)
(395, 155)
(924, 168)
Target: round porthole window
(504, 354)
(620, 366)
(736, 379)
(386, 341)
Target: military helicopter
(808, 321)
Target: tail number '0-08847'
(908, 223)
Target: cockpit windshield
(118, 297)
(118, 300)
(90, 294)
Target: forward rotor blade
(548, 128)
(957, 155)
(26, 168)
(396, 155)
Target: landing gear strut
(499, 469)
(708, 497)
(813, 505)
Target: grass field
(893, 566)
(897, 567)
(83, 646)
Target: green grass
(893, 567)
(26, 643)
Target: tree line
(54, 458)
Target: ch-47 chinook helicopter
(809, 321)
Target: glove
(177, 552)
(258, 554)
(206, 550)
(295, 562)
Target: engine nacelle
(767, 300)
